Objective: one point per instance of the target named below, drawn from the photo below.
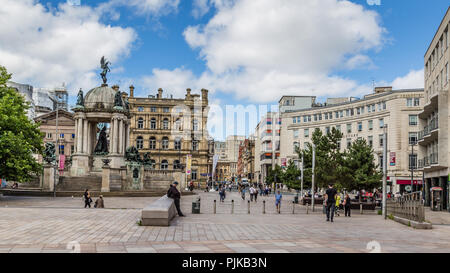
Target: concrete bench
(159, 213)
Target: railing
(410, 206)
(434, 159)
(432, 125)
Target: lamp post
(384, 172)
(56, 174)
(312, 179)
(412, 165)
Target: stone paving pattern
(40, 224)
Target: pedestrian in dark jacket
(347, 204)
(87, 198)
(175, 195)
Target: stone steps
(79, 183)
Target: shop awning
(408, 182)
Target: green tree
(20, 138)
(275, 175)
(360, 170)
(291, 176)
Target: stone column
(76, 135)
(80, 136)
(105, 178)
(116, 135)
(89, 139)
(120, 150)
(85, 136)
(49, 177)
(128, 135)
(111, 137)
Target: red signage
(392, 158)
(408, 182)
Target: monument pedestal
(117, 161)
(80, 165)
(106, 171)
(48, 183)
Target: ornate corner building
(171, 129)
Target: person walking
(278, 197)
(338, 203)
(347, 203)
(243, 192)
(99, 203)
(176, 196)
(87, 198)
(252, 193)
(255, 195)
(330, 199)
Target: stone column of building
(89, 137)
(111, 136)
(76, 135)
(80, 135)
(128, 134)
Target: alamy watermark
(374, 2)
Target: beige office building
(434, 156)
(364, 118)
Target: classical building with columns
(170, 129)
(99, 109)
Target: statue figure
(49, 152)
(104, 65)
(127, 104)
(80, 99)
(132, 154)
(147, 159)
(118, 99)
(102, 144)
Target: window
(164, 165)
(349, 128)
(360, 126)
(140, 123)
(61, 149)
(416, 101)
(61, 136)
(139, 142)
(152, 143)
(49, 135)
(195, 145)
(177, 144)
(166, 110)
(409, 102)
(381, 138)
(165, 124)
(412, 120)
(349, 142)
(338, 127)
(165, 143)
(298, 119)
(294, 120)
(153, 124)
(370, 141)
(380, 160)
(412, 161)
(73, 136)
(412, 138)
(178, 125)
(306, 132)
(327, 130)
(176, 164)
(153, 109)
(384, 105)
(370, 125)
(381, 122)
(194, 174)
(295, 133)
(296, 145)
(140, 109)
(72, 149)
(195, 125)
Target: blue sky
(245, 52)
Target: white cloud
(153, 8)
(261, 49)
(200, 8)
(414, 79)
(65, 44)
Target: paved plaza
(45, 224)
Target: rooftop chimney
(160, 91)
(382, 89)
(204, 94)
(188, 93)
(131, 91)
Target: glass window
(412, 161)
(166, 110)
(338, 127)
(165, 124)
(61, 149)
(296, 145)
(349, 142)
(195, 125)
(152, 143)
(140, 109)
(381, 122)
(176, 164)
(140, 123)
(409, 102)
(416, 101)
(298, 119)
(360, 126)
(295, 133)
(370, 124)
(370, 141)
(349, 128)
(72, 149)
(153, 109)
(412, 138)
(61, 136)
(195, 145)
(139, 142)
(327, 130)
(381, 138)
(164, 165)
(49, 135)
(294, 120)
(306, 132)
(194, 174)
(177, 144)
(153, 124)
(412, 120)
(165, 143)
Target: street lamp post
(313, 167)
(301, 177)
(412, 166)
(384, 172)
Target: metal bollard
(361, 208)
(293, 207)
(264, 207)
(248, 207)
(307, 208)
(215, 206)
(232, 206)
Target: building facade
(66, 131)
(364, 118)
(434, 143)
(246, 159)
(171, 129)
(26, 91)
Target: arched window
(153, 124)
(176, 164)
(165, 143)
(166, 124)
(178, 125)
(177, 144)
(195, 145)
(195, 125)
(140, 123)
(139, 142)
(164, 165)
(152, 143)
(153, 163)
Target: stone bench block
(159, 213)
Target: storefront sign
(392, 159)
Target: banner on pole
(188, 164)
(215, 160)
